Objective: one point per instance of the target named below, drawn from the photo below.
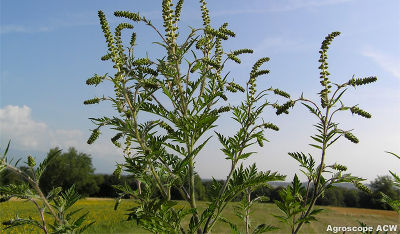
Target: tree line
(75, 168)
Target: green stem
(141, 141)
(41, 211)
(209, 225)
(248, 192)
(158, 180)
(246, 127)
(315, 195)
(192, 196)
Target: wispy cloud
(4, 29)
(281, 6)
(277, 43)
(16, 123)
(51, 23)
(388, 62)
(76, 19)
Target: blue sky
(49, 49)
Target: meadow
(110, 221)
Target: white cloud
(16, 123)
(388, 63)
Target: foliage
(106, 182)
(8, 177)
(298, 201)
(243, 211)
(383, 187)
(386, 195)
(335, 197)
(200, 190)
(182, 94)
(57, 202)
(339, 196)
(67, 169)
(384, 192)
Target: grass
(110, 221)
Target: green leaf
(245, 155)
(282, 219)
(80, 220)
(21, 191)
(316, 211)
(199, 148)
(42, 166)
(316, 146)
(317, 138)
(397, 156)
(264, 228)
(84, 228)
(234, 227)
(338, 97)
(6, 150)
(312, 110)
(20, 221)
(53, 193)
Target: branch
(37, 189)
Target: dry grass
(352, 211)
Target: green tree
(332, 197)
(200, 189)
(106, 182)
(383, 185)
(8, 177)
(67, 169)
(57, 204)
(351, 198)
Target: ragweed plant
(56, 203)
(243, 210)
(297, 200)
(395, 204)
(183, 93)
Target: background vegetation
(101, 185)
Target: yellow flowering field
(110, 221)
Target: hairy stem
(315, 194)
(248, 192)
(41, 211)
(246, 126)
(206, 225)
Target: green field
(110, 221)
